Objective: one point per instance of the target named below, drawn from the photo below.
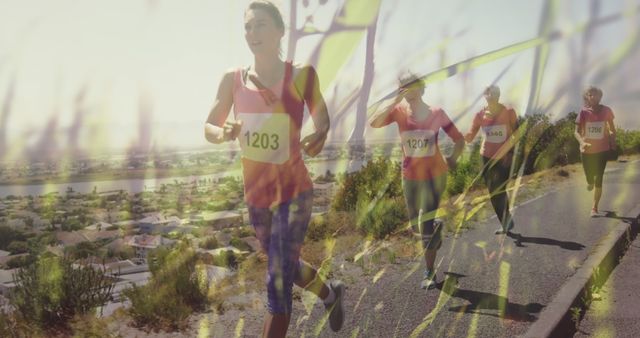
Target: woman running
(498, 125)
(424, 171)
(268, 100)
(596, 134)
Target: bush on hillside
(466, 173)
(379, 178)
(52, 291)
(227, 259)
(209, 243)
(628, 141)
(382, 217)
(547, 145)
(330, 224)
(178, 287)
(240, 244)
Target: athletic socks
(331, 297)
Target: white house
(6, 282)
(142, 244)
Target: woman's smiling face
(261, 33)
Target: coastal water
(139, 185)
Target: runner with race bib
(596, 134)
(498, 124)
(268, 100)
(424, 170)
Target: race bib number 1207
(265, 137)
(418, 143)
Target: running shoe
(510, 226)
(428, 280)
(336, 309)
(501, 230)
(594, 213)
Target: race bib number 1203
(265, 137)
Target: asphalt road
(494, 286)
(617, 312)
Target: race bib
(495, 134)
(418, 143)
(264, 137)
(595, 130)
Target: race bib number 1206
(265, 137)
(595, 130)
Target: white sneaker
(428, 280)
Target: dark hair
(270, 8)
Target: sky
(131, 74)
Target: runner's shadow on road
(479, 301)
(629, 220)
(568, 245)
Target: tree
(8, 235)
(28, 221)
(339, 41)
(18, 247)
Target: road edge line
(556, 318)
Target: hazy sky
(112, 74)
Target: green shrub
(21, 261)
(240, 244)
(81, 250)
(221, 205)
(375, 194)
(159, 308)
(87, 326)
(545, 144)
(628, 141)
(379, 178)
(12, 326)
(226, 259)
(243, 231)
(382, 217)
(210, 243)
(51, 291)
(122, 253)
(465, 174)
(8, 235)
(178, 287)
(18, 247)
(329, 224)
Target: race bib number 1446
(495, 134)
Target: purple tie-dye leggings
(281, 230)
